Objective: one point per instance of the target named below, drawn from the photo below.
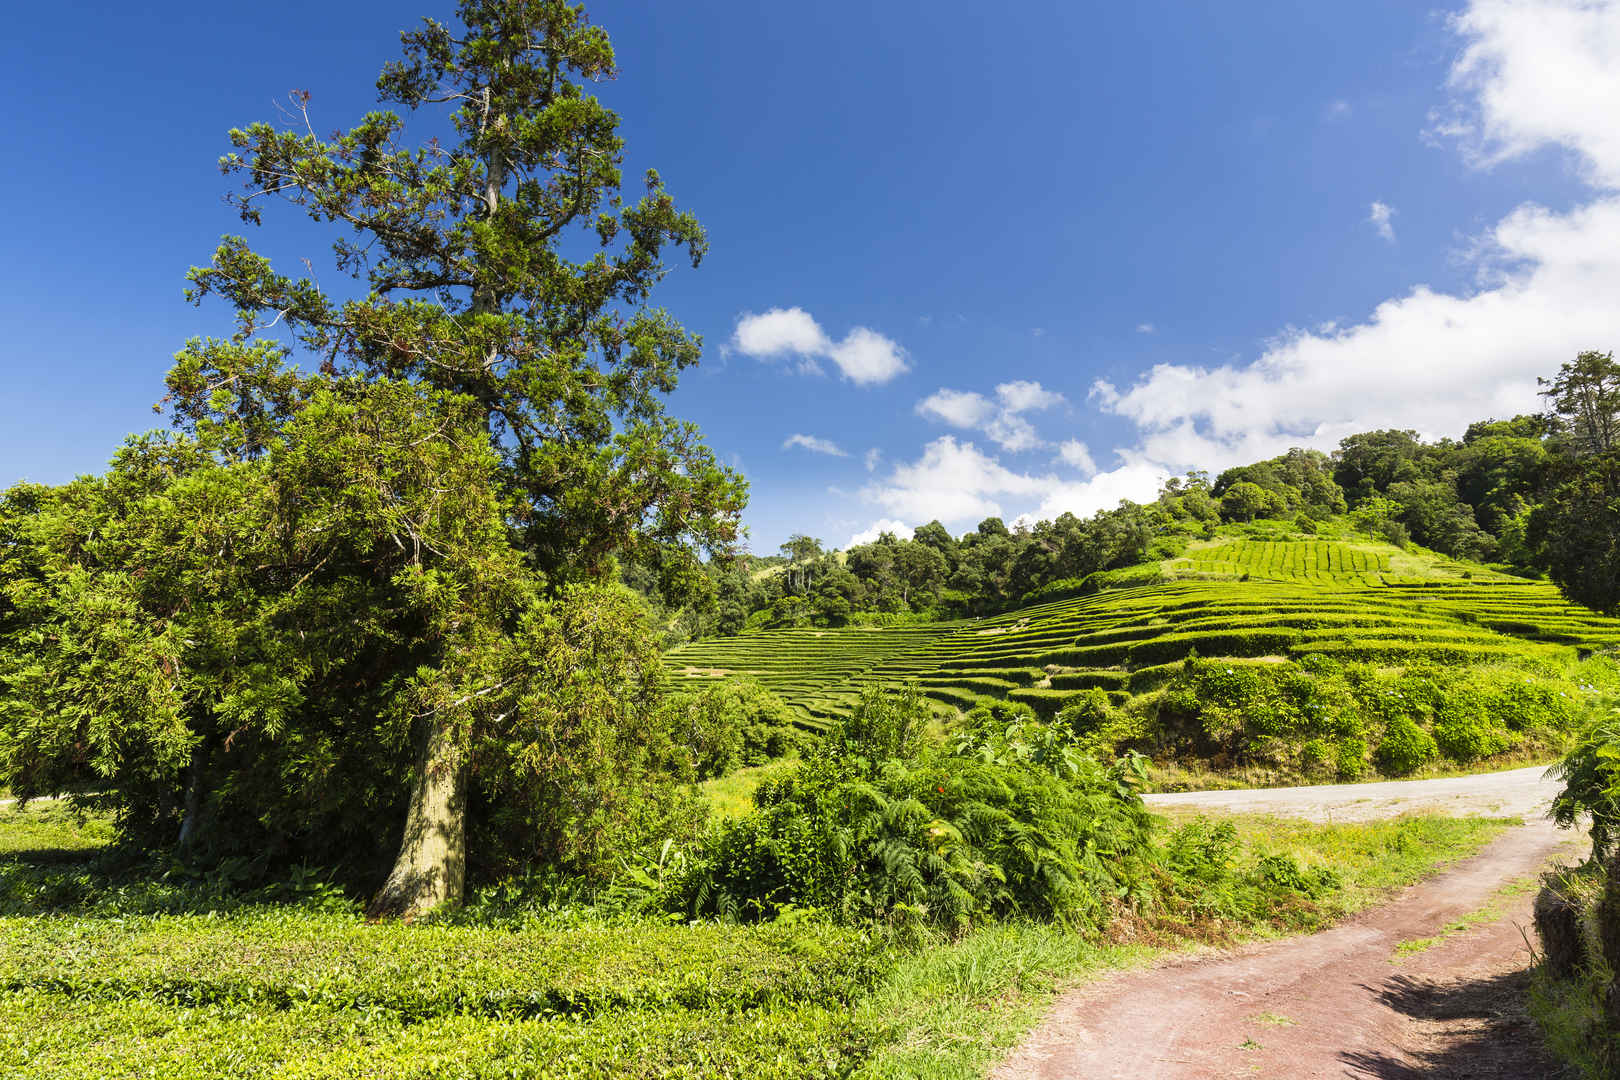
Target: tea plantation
(1275, 608)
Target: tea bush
(1405, 748)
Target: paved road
(1522, 793)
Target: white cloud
(867, 357)
(779, 331)
(1137, 482)
(1012, 432)
(1337, 110)
(1146, 328)
(864, 356)
(1076, 453)
(1537, 73)
(878, 528)
(958, 484)
(1379, 217)
(1026, 395)
(958, 408)
(1001, 419)
(954, 482)
(814, 444)
(873, 456)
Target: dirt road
(1341, 1003)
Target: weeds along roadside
(1575, 993)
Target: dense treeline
(1531, 494)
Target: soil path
(1339, 1003)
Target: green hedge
(978, 685)
(1046, 703)
(1385, 652)
(57, 1037)
(279, 958)
(1256, 642)
(961, 699)
(1086, 680)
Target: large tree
(1577, 526)
(321, 569)
(1584, 398)
(502, 263)
(464, 250)
(306, 653)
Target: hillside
(1251, 602)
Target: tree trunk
(193, 807)
(431, 868)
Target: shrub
(1465, 727)
(1246, 642)
(1591, 776)
(1352, 759)
(1087, 712)
(1011, 820)
(1405, 748)
(1318, 756)
(1130, 577)
(1085, 680)
(1283, 872)
(1046, 703)
(731, 725)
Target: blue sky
(1155, 227)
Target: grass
(1574, 1022)
(1271, 1019)
(1574, 1014)
(732, 795)
(50, 826)
(1372, 858)
(97, 982)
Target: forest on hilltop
(1531, 496)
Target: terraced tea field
(1354, 602)
(1318, 561)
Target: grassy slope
(1231, 597)
(150, 979)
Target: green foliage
(731, 725)
(1310, 716)
(241, 653)
(1591, 776)
(1577, 530)
(145, 974)
(876, 824)
(1405, 747)
(1331, 608)
(465, 248)
(261, 957)
(339, 608)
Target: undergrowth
(116, 970)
